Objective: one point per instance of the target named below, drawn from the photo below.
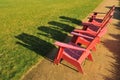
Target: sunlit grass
(28, 29)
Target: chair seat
(98, 20)
(74, 54)
(94, 28)
(92, 25)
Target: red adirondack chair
(86, 38)
(97, 21)
(93, 17)
(74, 54)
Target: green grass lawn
(28, 29)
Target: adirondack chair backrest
(109, 12)
(106, 15)
(104, 24)
(105, 21)
(101, 32)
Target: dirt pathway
(106, 65)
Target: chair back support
(93, 17)
(109, 12)
(103, 27)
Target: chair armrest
(88, 31)
(81, 35)
(93, 23)
(64, 45)
(86, 24)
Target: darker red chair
(97, 21)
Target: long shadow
(71, 20)
(62, 26)
(35, 44)
(52, 33)
(114, 47)
(116, 15)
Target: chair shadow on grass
(55, 30)
(58, 30)
(71, 20)
(35, 44)
(52, 33)
(64, 27)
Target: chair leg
(80, 69)
(56, 61)
(90, 57)
(98, 41)
(59, 56)
(94, 48)
(74, 38)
